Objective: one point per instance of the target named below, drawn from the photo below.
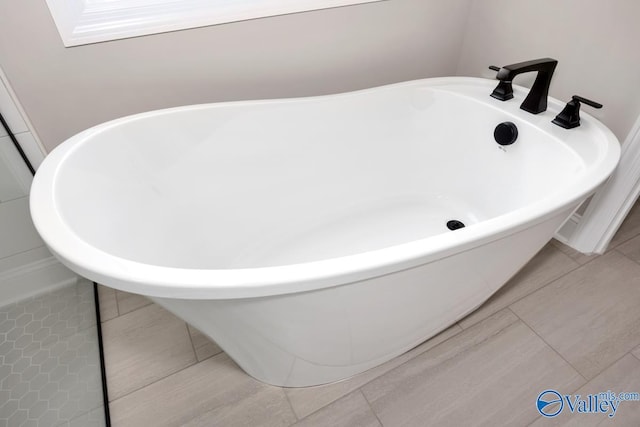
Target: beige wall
(65, 90)
(597, 44)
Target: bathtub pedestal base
(318, 337)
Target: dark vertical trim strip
(17, 145)
(103, 372)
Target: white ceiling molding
(90, 21)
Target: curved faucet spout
(536, 100)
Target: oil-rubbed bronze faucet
(536, 100)
(569, 117)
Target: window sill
(82, 22)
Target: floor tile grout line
(210, 356)
(638, 263)
(135, 309)
(293, 411)
(573, 392)
(630, 213)
(423, 352)
(64, 423)
(491, 335)
(193, 347)
(625, 255)
(616, 250)
(416, 355)
(630, 352)
(522, 297)
(551, 347)
(375, 414)
(103, 316)
(115, 296)
(118, 314)
(592, 257)
(103, 298)
(358, 390)
(156, 380)
(618, 244)
(586, 381)
(534, 421)
(384, 373)
(128, 312)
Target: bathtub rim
(191, 283)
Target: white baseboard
(569, 227)
(612, 202)
(40, 276)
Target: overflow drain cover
(454, 224)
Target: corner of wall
(33, 146)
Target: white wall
(595, 42)
(26, 266)
(65, 90)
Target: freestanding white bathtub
(308, 237)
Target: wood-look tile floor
(566, 321)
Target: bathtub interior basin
(261, 184)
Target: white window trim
(90, 21)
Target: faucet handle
(586, 101)
(504, 90)
(569, 117)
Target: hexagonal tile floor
(49, 360)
